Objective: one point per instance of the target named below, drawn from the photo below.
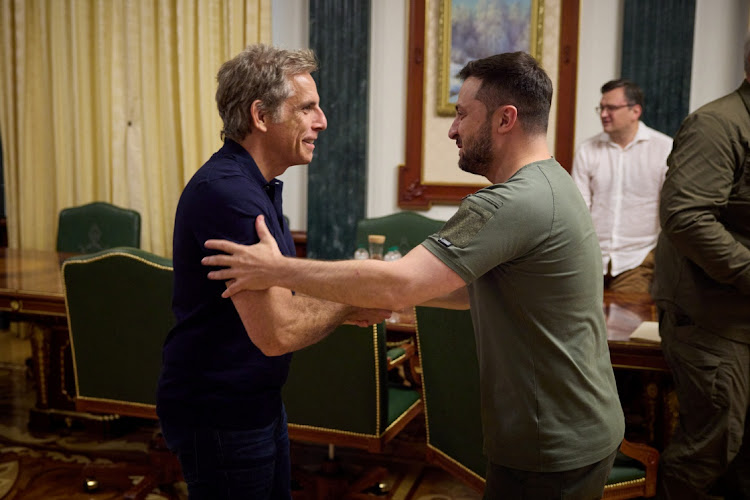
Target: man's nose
(453, 130)
(321, 123)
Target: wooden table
(31, 283)
(623, 313)
(31, 290)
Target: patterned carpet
(45, 475)
(39, 465)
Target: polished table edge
(33, 304)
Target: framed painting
(473, 29)
(430, 174)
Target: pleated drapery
(112, 100)
(657, 54)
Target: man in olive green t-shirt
(524, 255)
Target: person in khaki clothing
(702, 289)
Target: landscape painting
(472, 29)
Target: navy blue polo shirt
(212, 373)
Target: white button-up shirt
(621, 187)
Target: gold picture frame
(448, 83)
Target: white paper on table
(648, 331)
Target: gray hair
(747, 54)
(260, 72)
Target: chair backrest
(403, 229)
(119, 313)
(450, 391)
(338, 393)
(97, 226)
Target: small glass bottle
(361, 253)
(392, 254)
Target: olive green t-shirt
(528, 251)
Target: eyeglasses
(611, 109)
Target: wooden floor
(48, 465)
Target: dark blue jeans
(233, 464)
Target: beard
(476, 157)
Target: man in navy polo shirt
(224, 363)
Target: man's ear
(505, 118)
(259, 116)
(638, 110)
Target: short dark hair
(513, 78)
(633, 93)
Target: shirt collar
(272, 187)
(642, 134)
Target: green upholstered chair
(97, 226)
(406, 230)
(450, 391)
(337, 394)
(403, 229)
(450, 386)
(119, 313)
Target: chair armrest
(646, 455)
(401, 354)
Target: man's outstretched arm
(279, 322)
(417, 278)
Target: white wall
(290, 29)
(717, 49)
(386, 145)
(599, 43)
(717, 70)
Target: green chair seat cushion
(395, 353)
(400, 399)
(626, 469)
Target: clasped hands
(256, 267)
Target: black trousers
(584, 483)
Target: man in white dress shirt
(620, 173)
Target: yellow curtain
(112, 100)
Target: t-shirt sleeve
(492, 227)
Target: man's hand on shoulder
(247, 267)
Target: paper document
(648, 331)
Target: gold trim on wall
(444, 106)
